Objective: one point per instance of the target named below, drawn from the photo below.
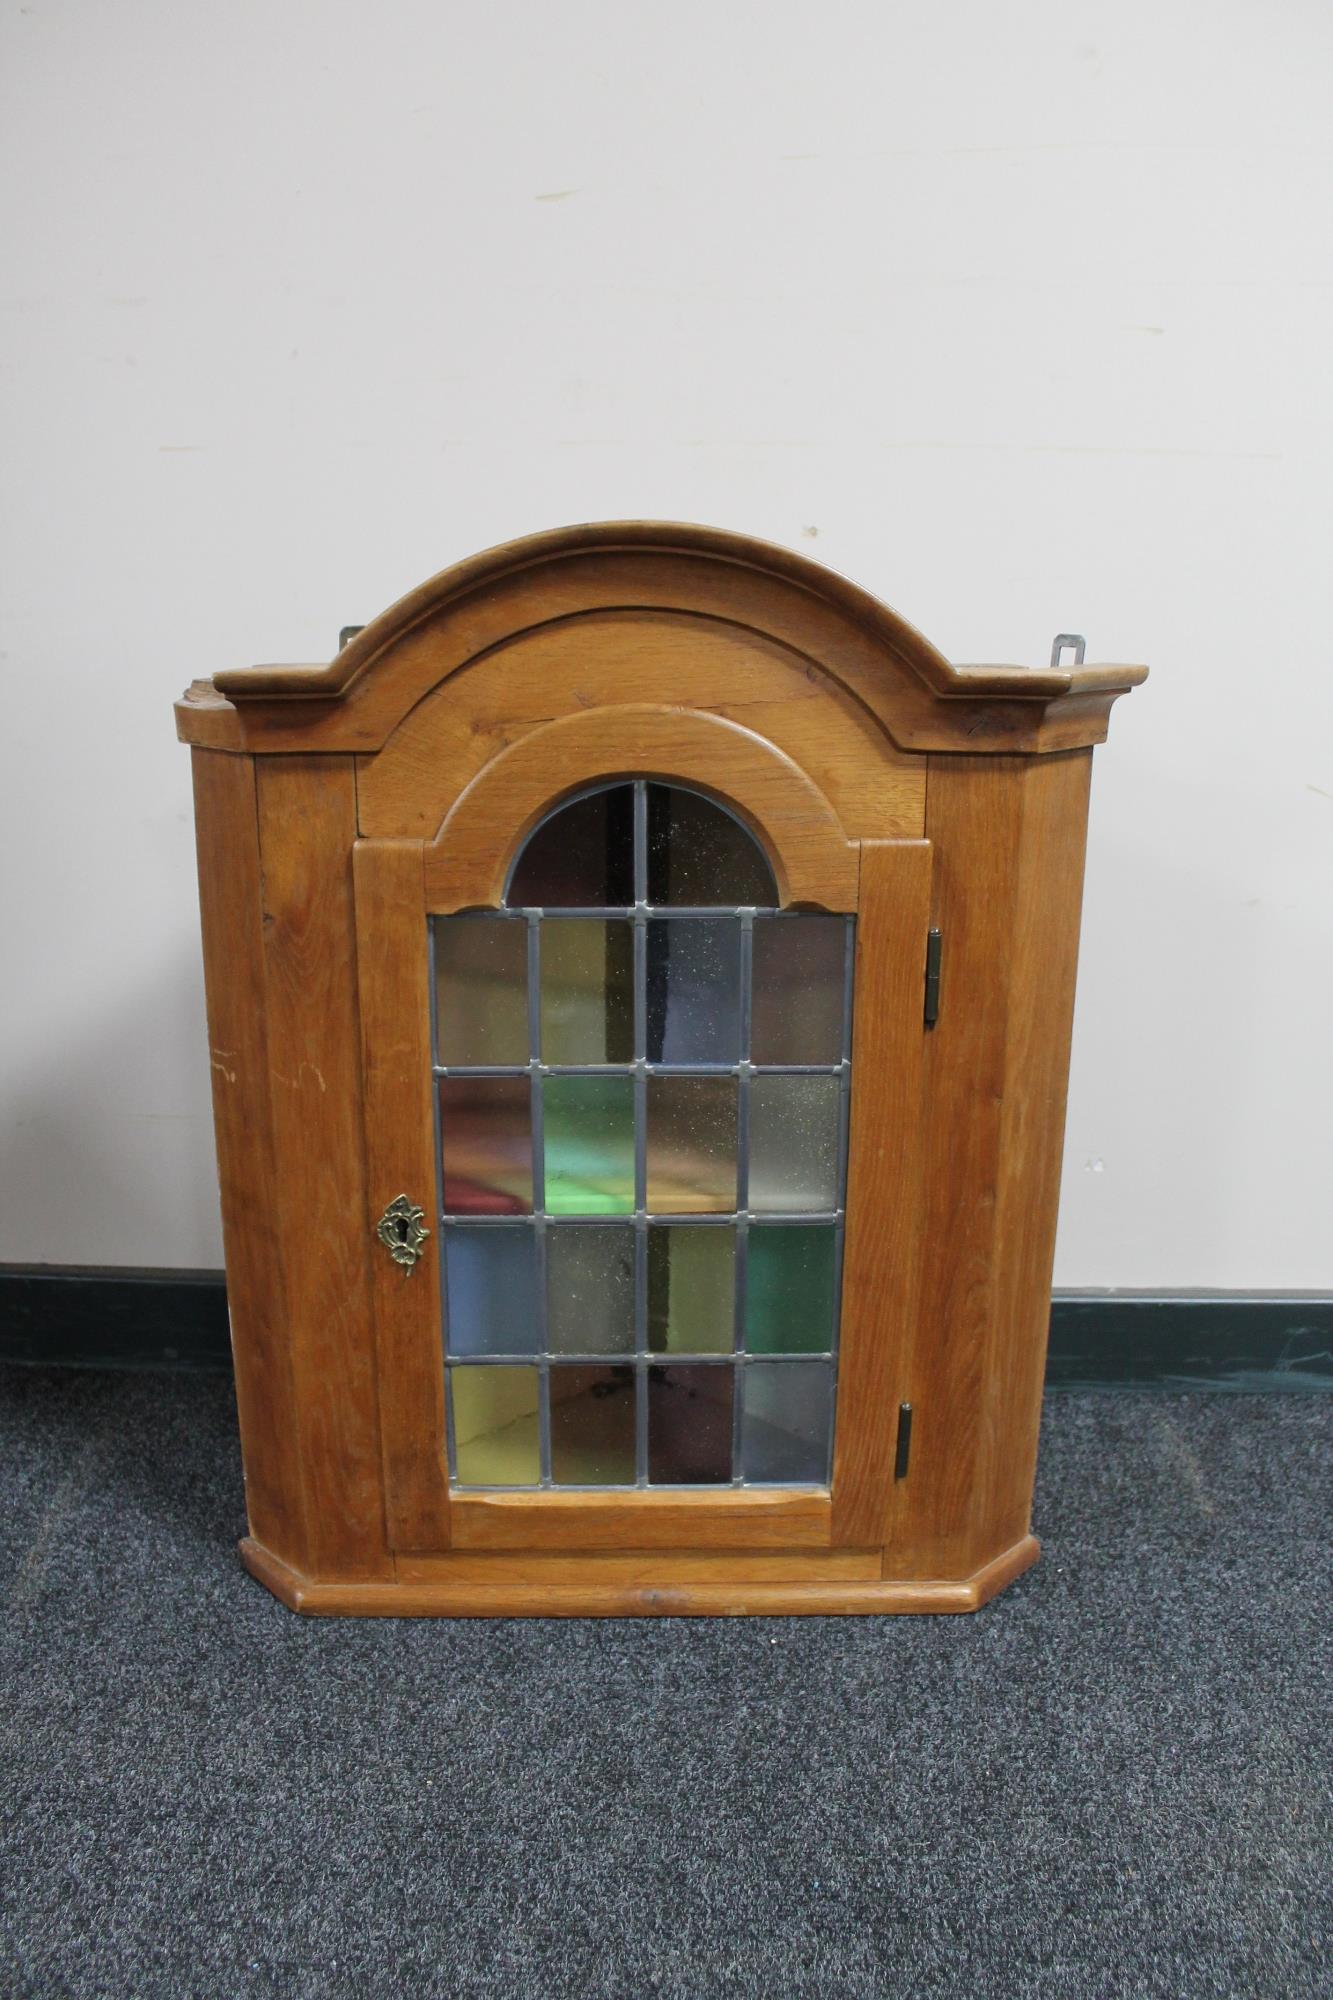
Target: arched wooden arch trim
(356, 700)
(815, 864)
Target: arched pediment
(356, 700)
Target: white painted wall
(1022, 315)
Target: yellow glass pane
(496, 1440)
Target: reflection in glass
(491, 1289)
(689, 1425)
(581, 856)
(691, 1290)
(481, 991)
(589, 1144)
(699, 856)
(590, 1288)
(694, 990)
(592, 1426)
(587, 993)
(797, 1004)
(789, 1289)
(496, 1440)
(692, 1144)
(794, 1143)
(786, 1422)
(486, 1139)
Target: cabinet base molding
(663, 1587)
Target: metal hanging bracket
(1063, 639)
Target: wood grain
(307, 824)
(669, 1596)
(393, 978)
(881, 1261)
(614, 658)
(814, 863)
(355, 701)
(230, 906)
(709, 1519)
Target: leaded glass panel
(642, 1073)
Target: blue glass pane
(491, 1289)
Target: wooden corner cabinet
(640, 971)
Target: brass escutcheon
(402, 1232)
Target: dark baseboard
(73, 1317)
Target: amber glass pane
(587, 997)
(491, 1289)
(589, 1143)
(691, 1290)
(496, 1440)
(590, 1288)
(786, 1421)
(692, 1144)
(592, 1426)
(581, 857)
(694, 990)
(789, 1289)
(689, 1425)
(796, 1011)
(481, 991)
(486, 1141)
(794, 1143)
(699, 855)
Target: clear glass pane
(694, 990)
(699, 855)
(689, 1425)
(589, 1144)
(691, 1290)
(590, 1289)
(794, 1144)
(496, 1441)
(587, 997)
(490, 1275)
(797, 1007)
(692, 1144)
(486, 1140)
(786, 1422)
(592, 1426)
(789, 1289)
(481, 991)
(581, 856)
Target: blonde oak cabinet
(639, 974)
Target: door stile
(393, 976)
(880, 1259)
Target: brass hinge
(934, 949)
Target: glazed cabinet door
(641, 1146)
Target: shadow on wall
(109, 1154)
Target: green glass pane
(481, 991)
(789, 1290)
(496, 1439)
(592, 1426)
(587, 991)
(589, 1144)
(691, 1290)
(590, 1288)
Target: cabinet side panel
(307, 827)
(1042, 967)
(1008, 835)
(227, 837)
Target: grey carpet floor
(1113, 1781)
